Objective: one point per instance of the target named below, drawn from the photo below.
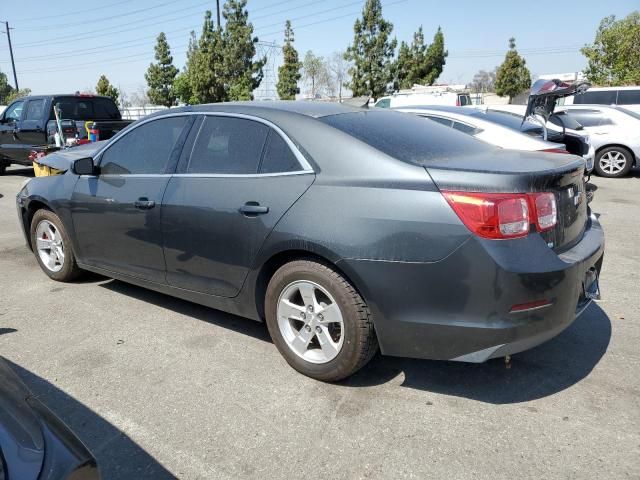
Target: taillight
(546, 210)
(555, 150)
(503, 215)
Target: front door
(116, 214)
(241, 177)
(9, 129)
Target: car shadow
(118, 455)
(4, 331)
(19, 172)
(545, 370)
(257, 330)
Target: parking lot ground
(161, 388)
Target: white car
(626, 97)
(615, 134)
(398, 100)
(504, 129)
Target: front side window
(14, 112)
(35, 110)
(278, 157)
(145, 149)
(228, 145)
(383, 103)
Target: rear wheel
(52, 247)
(3, 167)
(613, 162)
(318, 321)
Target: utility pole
(218, 13)
(15, 77)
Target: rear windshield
(87, 108)
(406, 137)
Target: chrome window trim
(306, 166)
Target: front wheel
(318, 321)
(613, 162)
(52, 247)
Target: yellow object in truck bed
(44, 171)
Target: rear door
(116, 214)
(241, 176)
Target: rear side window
(442, 121)
(227, 145)
(35, 110)
(278, 157)
(406, 137)
(465, 128)
(590, 118)
(145, 149)
(604, 97)
(629, 97)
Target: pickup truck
(29, 123)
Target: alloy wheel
(50, 246)
(613, 162)
(310, 321)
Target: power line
(49, 17)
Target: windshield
(406, 137)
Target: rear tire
(52, 247)
(318, 321)
(3, 167)
(613, 162)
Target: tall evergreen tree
(371, 52)
(434, 60)
(105, 88)
(205, 65)
(512, 77)
(403, 67)
(161, 76)
(243, 75)
(289, 71)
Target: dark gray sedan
(345, 229)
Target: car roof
(440, 108)
(306, 108)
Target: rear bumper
(459, 308)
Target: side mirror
(84, 166)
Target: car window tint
(443, 121)
(228, 145)
(278, 157)
(384, 103)
(405, 137)
(145, 149)
(464, 100)
(590, 118)
(464, 128)
(14, 111)
(104, 109)
(35, 110)
(629, 97)
(604, 97)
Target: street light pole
(15, 77)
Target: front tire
(318, 321)
(613, 162)
(52, 247)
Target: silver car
(502, 129)
(615, 134)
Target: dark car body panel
(434, 289)
(34, 443)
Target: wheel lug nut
(310, 308)
(320, 317)
(303, 316)
(318, 329)
(308, 328)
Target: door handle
(143, 203)
(252, 209)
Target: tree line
(221, 63)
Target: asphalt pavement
(161, 388)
